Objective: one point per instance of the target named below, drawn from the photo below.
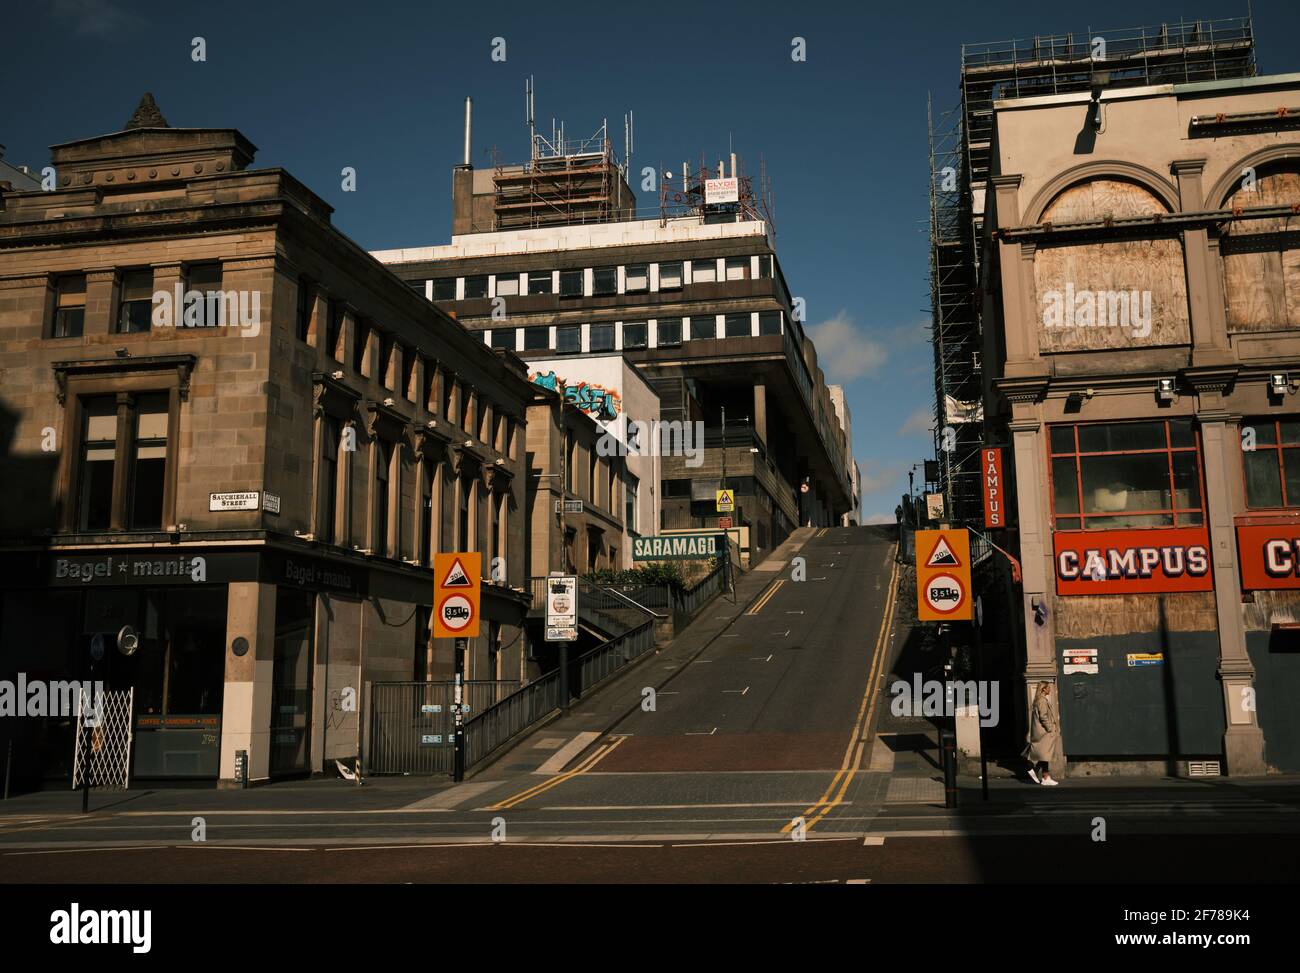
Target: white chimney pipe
(469, 110)
(733, 165)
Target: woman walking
(1044, 749)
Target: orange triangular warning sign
(942, 556)
(456, 577)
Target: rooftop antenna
(530, 116)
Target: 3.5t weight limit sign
(943, 587)
(456, 580)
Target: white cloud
(919, 421)
(880, 519)
(887, 478)
(843, 351)
(94, 17)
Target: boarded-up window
(1261, 258)
(1118, 294)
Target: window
(536, 339)
(98, 461)
(424, 529)
(629, 503)
(360, 339)
(738, 326)
(306, 298)
(385, 359)
(704, 271)
(333, 328)
(331, 440)
(145, 455)
(466, 406)
(568, 339)
(539, 282)
(668, 331)
(508, 285)
(448, 392)
(462, 515)
(476, 286)
(408, 369)
(1273, 466)
(703, 326)
(149, 461)
(503, 338)
(430, 375)
(737, 268)
(203, 277)
(383, 458)
(604, 280)
(637, 278)
(670, 276)
(769, 322)
(69, 307)
(764, 265)
(135, 309)
(444, 289)
(571, 283)
(635, 334)
(1132, 474)
(422, 669)
(600, 337)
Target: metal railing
(501, 723)
(411, 723)
(603, 661)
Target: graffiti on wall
(596, 400)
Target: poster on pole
(562, 609)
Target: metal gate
(109, 750)
(411, 724)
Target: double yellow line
(862, 725)
(765, 597)
(601, 752)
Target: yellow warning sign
(726, 501)
(943, 588)
(456, 594)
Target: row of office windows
(600, 281)
(134, 308)
(574, 339)
(1148, 474)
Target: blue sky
(380, 87)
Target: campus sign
(678, 547)
(995, 506)
(1269, 555)
(1120, 562)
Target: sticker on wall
(1079, 660)
(1139, 659)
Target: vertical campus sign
(456, 581)
(995, 507)
(943, 586)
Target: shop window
(69, 307)
(135, 309)
(444, 289)
(568, 339)
(637, 279)
(604, 280)
(668, 331)
(704, 271)
(601, 337)
(1121, 475)
(508, 285)
(1272, 466)
(539, 282)
(571, 283)
(670, 276)
(703, 326)
(476, 286)
(635, 335)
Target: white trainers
(1048, 782)
(1033, 775)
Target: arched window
(1261, 258)
(1120, 293)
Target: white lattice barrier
(106, 745)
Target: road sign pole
(978, 623)
(458, 714)
(564, 677)
(87, 751)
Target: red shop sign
(1270, 556)
(995, 507)
(1118, 562)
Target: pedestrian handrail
(635, 604)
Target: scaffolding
(691, 199)
(960, 146)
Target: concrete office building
(1141, 350)
(693, 297)
(256, 482)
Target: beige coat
(1045, 735)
